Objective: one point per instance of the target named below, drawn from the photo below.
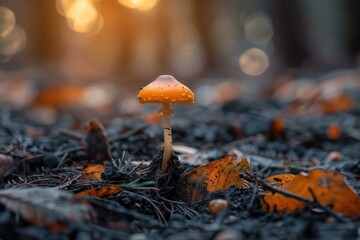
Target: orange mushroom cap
(166, 89)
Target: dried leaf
(333, 131)
(281, 179)
(277, 127)
(92, 172)
(340, 103)
(153, 117)
(59, 96)
(217, 175)
(329, 190)
(48, 207)
(227, 91)
(97, 146)
(100, 192)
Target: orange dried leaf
(329, 190)
(334, 131)
(277, 127)
(59, 96)
(339, 103)
(92, 172)
(216, 175)
(153, 117)
(281, 179)
(100, 192)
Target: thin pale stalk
(166, 116)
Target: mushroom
(166, 90)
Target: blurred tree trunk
(291, 35)
(204, 17)
(45, 41)
(128, 28)
(352, 29)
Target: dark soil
(54, 155)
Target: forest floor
(41, 171)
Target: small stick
(71, 134)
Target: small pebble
(218, 205)
(228, 234)
(138, 236)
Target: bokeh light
(82, 15)
(98, 96)
(141, 5)
(258, 29)
(13, 41)
(7, 21)
(254, 62)
(63, 6)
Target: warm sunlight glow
(254, 62)
(63, 6)
(7, 21)
(142, 5)
(82, 16)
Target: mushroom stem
(166, 112)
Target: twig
(116, 207)
(168, 200)
(159, 214)
(71, 134)
(127, 134)
(80, 137)
(180, 205)
(62, 161)
(69, 150)
(255, 191)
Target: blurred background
(98, 52)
